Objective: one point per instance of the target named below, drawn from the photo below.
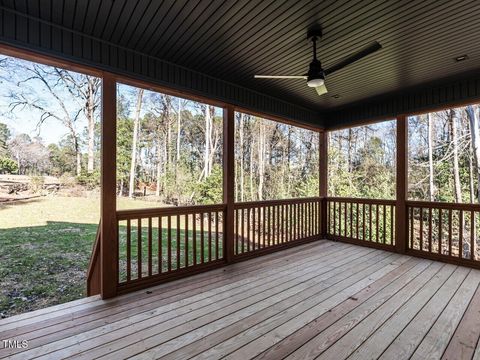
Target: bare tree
(456, 169)
(431, 187)
(53, 84)
(136, 130)
(475, 141)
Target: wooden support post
(108, 205)
(323, 179)
(228, 181)
(402, 185)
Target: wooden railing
(93, 271)
(444, 231)
(261, 226)
(362, 221)
(165, 243)
(161, 244)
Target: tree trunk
(79, 161)
(242, 185)
(91, 125)
(431, 185)
(179, 127)
(261, 159)
(475, 135)
(159, 169)
(208, 137)
(136, 130)
(456, 169)
(252, 193)
(470, 176)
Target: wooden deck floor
(324, 300)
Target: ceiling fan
(316, 74)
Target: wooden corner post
(108, 205)
(229, 180)
(402, 185)
(323, 180)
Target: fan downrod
(315, 32)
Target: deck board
(324, 300)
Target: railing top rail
(443, 205)
(251, 204)
(362, 200)
(168, 210)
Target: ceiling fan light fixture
(315, 82)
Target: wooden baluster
(421, 229)
(377, 222)
(329, 219)
(310, 219)
(288, 223)
(364, 220)
(430, 230)
(202, 238)
(384, 224)
(149, 246)
(274, 223)
(450, 225)
(280, 223)
(345, 219)
(209, 236)
(264, 222)
(299, 222)
(254, 227)
(351, 221)
(216, 236)
(194, 238)
(460, 235)
(139, 248)
(440, 224)
(178, 242)
(242, 227)
(169, 243)
(301, 213)
(370, 227)
(357, 216)
(412, 228)
(282, 207)
(269, 228)
(334, 217)
(237, 233)
(160, 245)
(248, 229)
(129, 251)
(472, 234)
(392, 225)
(186, 240)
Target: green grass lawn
(45, 247)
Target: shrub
(8, 166)
(36, 183)
(89, 180)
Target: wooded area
(361, 161)
(444, 155)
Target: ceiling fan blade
(354, 57)
(279, 77)
(321, 89)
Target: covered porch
(323, 276)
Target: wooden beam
(228, 180)
(401, 232)
(109, 241)
(323, 180)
